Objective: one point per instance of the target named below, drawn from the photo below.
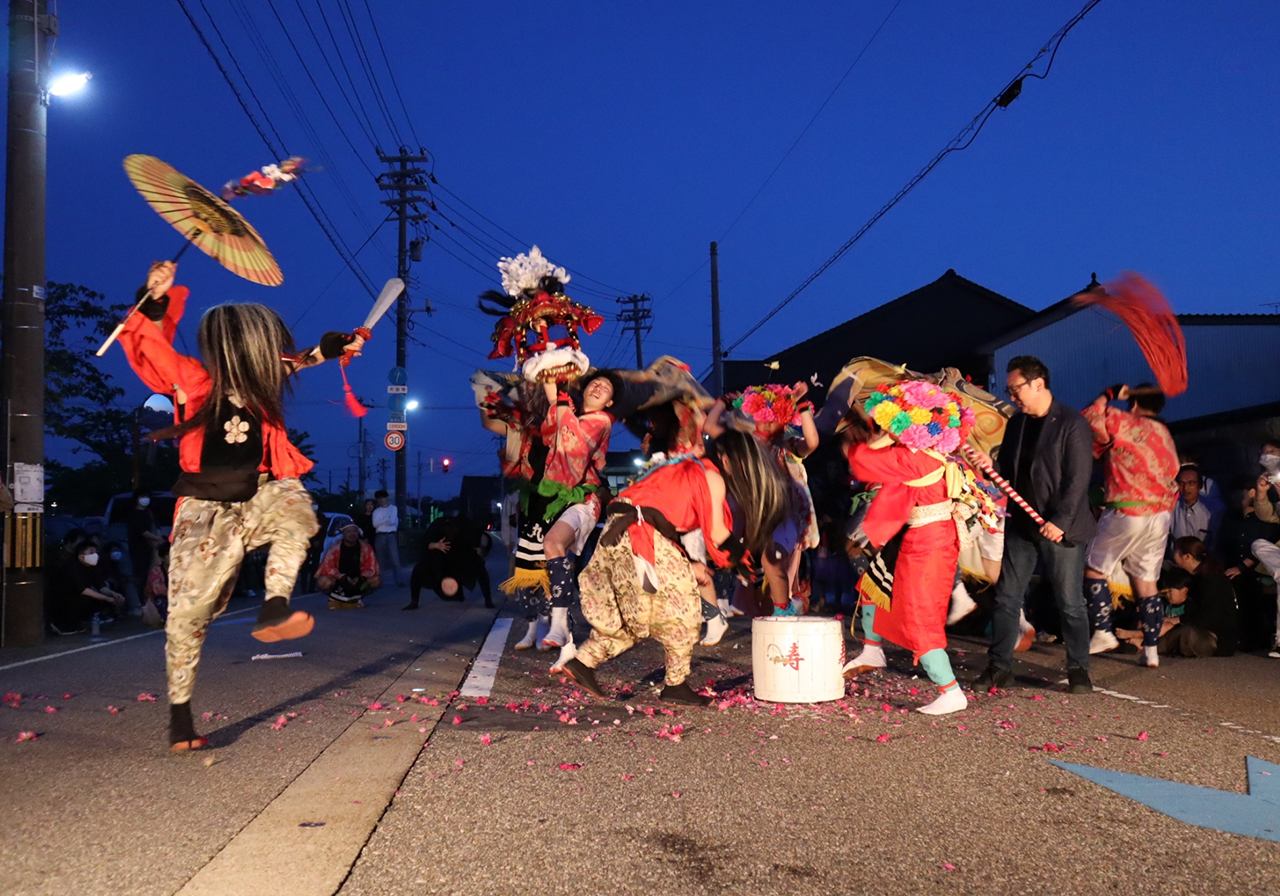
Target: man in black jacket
(1047, 454)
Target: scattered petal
(485, 739)
(947, 866)
(55, 709)
(279, 723)
(25, 735)
(1142, 735)
(882, 739)
(146, 698)
(570, 766)
(457, 720)
(113, 710)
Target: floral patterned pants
(210, 539)
(621, 612)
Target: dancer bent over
(643, 579)
(916, 492)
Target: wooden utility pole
(636, 315)
(405, 183)
(717, 355)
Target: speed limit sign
(393, 440)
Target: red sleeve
(893, 464)
(1104, 423)
(329, 565)
(153, 358)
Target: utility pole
(419, 480)
(636, 315)
(382, 472)
(717, 356)
(360, 451)
(22, 318)
(406, 184)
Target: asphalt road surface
(355, 768)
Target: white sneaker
(1275, 649)
(950, 701)
(717, 625)
(727, 608)
(1026, 634)
(529, 637)
(559, 635)
(567, 652)
(1149, 658)
(544, 625)
(1102, 641)
(961, 604)
(871, 659)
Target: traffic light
(445, 463)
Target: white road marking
(485, 668)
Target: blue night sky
(623, 138)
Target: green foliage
(79, 397)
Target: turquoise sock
(938, 667)
(868, 617)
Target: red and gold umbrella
(207, 222)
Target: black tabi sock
(564, 584)
(181, 727)
(274, 610)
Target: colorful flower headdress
(770, 407)
(921, 415)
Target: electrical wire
(350, 80)
(281, 153)
(386, 58)
(336, 276)
(362, 123)
(362, 56)
(960, 142)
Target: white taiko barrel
(797, 659)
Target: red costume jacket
(576, 446)
(678, 491)
(1140, 457)
(153, 358)
(926, 566)
(368, 561)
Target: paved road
(541, 787)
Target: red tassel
(353, 404)
(1146, 312)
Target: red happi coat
(678, 491)
(576, 447)
(153, 358)
(925, 571)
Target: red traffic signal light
(445, 463)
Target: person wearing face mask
(84, 593)
(144, 536)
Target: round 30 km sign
(393, 440)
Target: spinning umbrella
(205, 220)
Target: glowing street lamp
(412, 405)
(72, 82)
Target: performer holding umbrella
(240, 486)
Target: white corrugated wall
(1229, 366)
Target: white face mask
(89, 559)
(1270, 462)
(144, 502)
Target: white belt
(924, 514)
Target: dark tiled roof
(935, 326)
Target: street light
(73, 82)
(412, 405)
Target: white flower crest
(237, 430)
(524, 272)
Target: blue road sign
(396, 403)
(398, 376)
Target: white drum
(797, 659)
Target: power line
(960, 142)
(350, 80)
(281, 152)
(362, 123)
(337, 275)
(786, 155)
(386, 58)
(362, 56)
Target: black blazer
(1060, 471)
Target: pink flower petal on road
(482, 700)
(485, 739)
(882, 739)
(947, 866)
(279, 723)
(25, 735)
(570, 766)
(146, 698)
(55, 709)
(113, 710)
(1142, 735)
(627, 777)
(66, 696)
(457, 720)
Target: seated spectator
(1209, 623)
(83, 592)
(1191, 515)
(1240, 532)
(111, 565)
(155, 607)
(349, 571)
(452, 562)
